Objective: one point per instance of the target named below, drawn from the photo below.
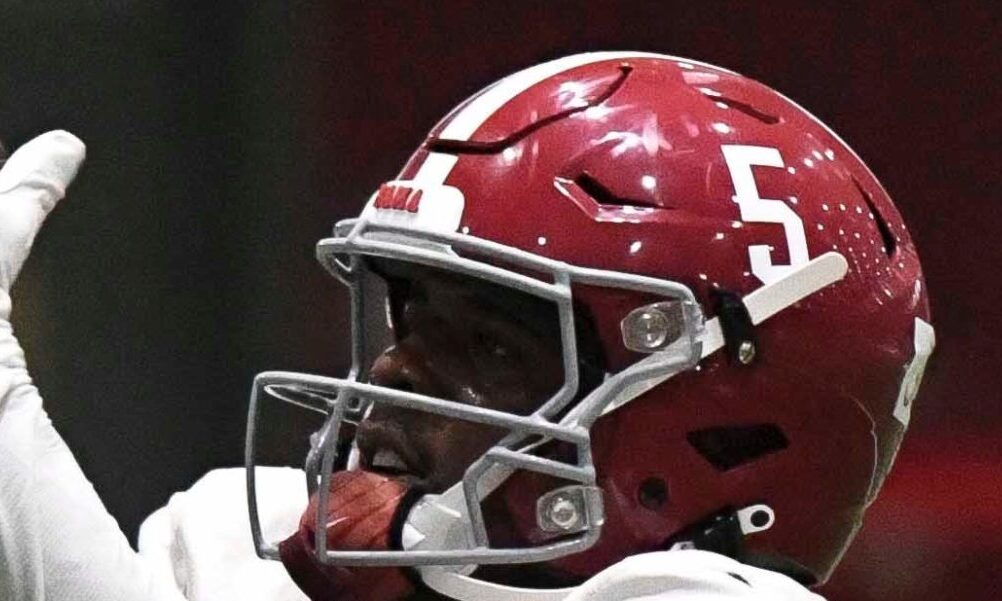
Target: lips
(385, 449)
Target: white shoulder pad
(688, 576)
(203, 537)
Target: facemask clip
(566, 510)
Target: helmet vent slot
(890, 242)
(606, 198)
(727, 448)
(743, 107)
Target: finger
(43, 168)
(32, 181)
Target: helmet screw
(563, 513)
(652, 328)
(746, 352)
(566, 509)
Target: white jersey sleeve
(689, 576)
(202, 539)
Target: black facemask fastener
(739, 331)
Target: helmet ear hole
(653, 493)
(727, 448)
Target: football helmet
(758, 301)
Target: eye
(488, 342)
(489, 345)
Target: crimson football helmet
(758, 301)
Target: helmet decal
(754, 208)
(416, 205)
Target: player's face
(463, 340)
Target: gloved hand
(32, 181)
(57, 541)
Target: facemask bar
(346, 399)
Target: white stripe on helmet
(437, 166)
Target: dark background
(225, 140)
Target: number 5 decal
(763, 210)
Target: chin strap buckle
(756, 518)
(724, 533)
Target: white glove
(32, 181)
(57, 541)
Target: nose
(402, 368)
